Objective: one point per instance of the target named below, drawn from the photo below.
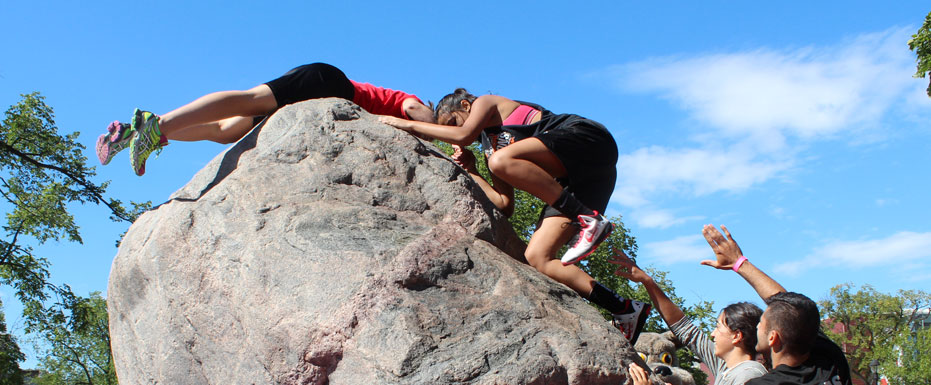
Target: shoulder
(766, 379)
(493, 99)
(829, 353)
(746, 370)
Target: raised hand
(726, 250)
(628, 268)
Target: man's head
(788, 326)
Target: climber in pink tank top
(564, 159)
(522, 115)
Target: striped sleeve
(698, 343)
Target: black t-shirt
(826, 365)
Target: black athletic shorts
(311, 81)
(589, 153)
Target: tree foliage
(878, 326)
(10, 355)
(920, 43)
(74, 341)
(41, 174)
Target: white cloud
(761, 108)
(689, 248)
(883, 202)
(658, 218)
(895, 250)
(699, 171)
(769, 94)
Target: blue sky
(798, 124)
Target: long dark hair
(743, 317)
(452, 102)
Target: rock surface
(327, 248)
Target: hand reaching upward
(725, 249)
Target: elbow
(461, 142)
(462, 139)
(419, 112)
(507, 207)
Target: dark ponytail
(452, 102)
(744, 317)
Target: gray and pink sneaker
(117, 138)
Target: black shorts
(311, 81)
(589, 153)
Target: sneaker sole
(103, 143)
(103, 149)
(641, 320)
(139, 120)
(600, 239)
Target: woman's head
(737, 328)
(453, 108)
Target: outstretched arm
(727, 253)
(481, 111)
(500, 193)
(417, 110)
(667, 309)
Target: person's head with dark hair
(789, 325)
(452, 107)
(736, 329)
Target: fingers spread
(728, 233)
(708, 236)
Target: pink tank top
(521, 116)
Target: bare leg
(530, 166)
(223, 132)
(218, 106)
(541, 252)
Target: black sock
(570, 206)
(608, 300)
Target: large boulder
(327, 248)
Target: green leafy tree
(10, 355)
(527, 210)
(876, 326)
(41, 174)
(920, 43)
(74, 341)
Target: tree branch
(76, 178)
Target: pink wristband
(740, 261)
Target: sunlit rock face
(327, 248)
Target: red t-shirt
(380, 101)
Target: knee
(231, 130)
(498, 164)
(225, 140)
(537, 260)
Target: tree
(876, 326)
(527, 210)
(74, 341)
(10, 356)
(921, 44)
(41, 174)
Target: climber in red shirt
(226, 116)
